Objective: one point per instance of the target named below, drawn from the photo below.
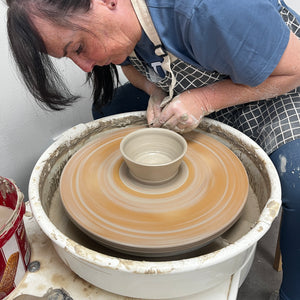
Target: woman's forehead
(55, 37)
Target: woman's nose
(84, 64)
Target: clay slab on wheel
(201, 202)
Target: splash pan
(152, 277)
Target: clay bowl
(153, 155)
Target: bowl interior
(153, 147)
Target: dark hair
(36, 67)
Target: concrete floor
(263, 279)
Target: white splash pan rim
(268, 214)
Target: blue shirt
(243, 39)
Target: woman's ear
(111, 4)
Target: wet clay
(246, 222)
(214, 186)
(148, 219)
(5, 214)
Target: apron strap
(145, 20)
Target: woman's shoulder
(210, 10)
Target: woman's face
(110, 36)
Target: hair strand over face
(36, 67)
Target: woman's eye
(79, 50)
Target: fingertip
(156, 123)
(161, 121)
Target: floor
(263, 279)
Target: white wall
(295, 4)
(25, 129)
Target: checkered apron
(271, 122)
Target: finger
(157, 111)
(176, 128)
(184, 123)
(153, 112)
(156, 122)
(171, 123)
(189, 125)
(150, 114)
(166, 114)
(184, 118)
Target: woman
(236, 61)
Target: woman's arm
(138, 79)
(156, 94)
(186, 110)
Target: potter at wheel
(190, 210)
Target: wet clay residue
(246, 222)
(6, 188)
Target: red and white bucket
(14, 246)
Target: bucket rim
(16, 217)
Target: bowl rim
(165, 131)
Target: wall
(295, 4)
(26, 129)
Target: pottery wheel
(196, 206)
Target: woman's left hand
(154, 109)
(183, 113)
